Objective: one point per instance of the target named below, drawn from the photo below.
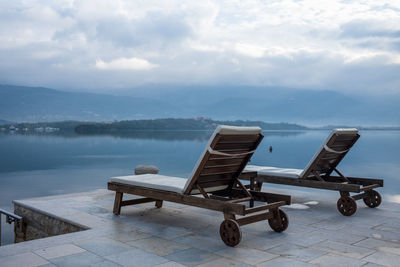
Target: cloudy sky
(349, 46)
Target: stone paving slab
(247, 255)
(178, 235)
(343, 249)
(192, 257)
(136, 257)
(58, 251)
(297, 252)
(22, 260)
(337, 260)
(158, 246)
(80, 259)
(284, 262)
(224, 262)
(103, 246)
(383, 258)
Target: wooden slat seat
(324, 161)
(318, 172)
(215, 177)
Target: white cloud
(250, 50)
(205, 48)
(307, 43)
(125, 64)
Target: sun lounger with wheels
(213, 185)
(318, 174)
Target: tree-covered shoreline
(129, 127)
(171, 124)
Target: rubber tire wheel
(347, 206)
(276, 225)
(373, 200)
(230, 232)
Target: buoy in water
(270, 149)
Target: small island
(172, 124)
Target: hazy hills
(283, 104)
(18, 103)
(3, 122)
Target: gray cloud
(153, 28)
(368, 28)
(111, 45)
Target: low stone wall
(39, 225)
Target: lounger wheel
(279, 224)
(230, 232)
(347, 205)
(373, 199)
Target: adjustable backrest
(224, 158)
(332, 151)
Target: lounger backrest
(332, 151)
(224, 158)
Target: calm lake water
(33, 166)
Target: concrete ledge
(40, 224)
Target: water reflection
(193, 135)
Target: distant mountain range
(4, 122)
(32, 104)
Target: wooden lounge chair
(318, 174)
(213, 184)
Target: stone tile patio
(177, 235)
